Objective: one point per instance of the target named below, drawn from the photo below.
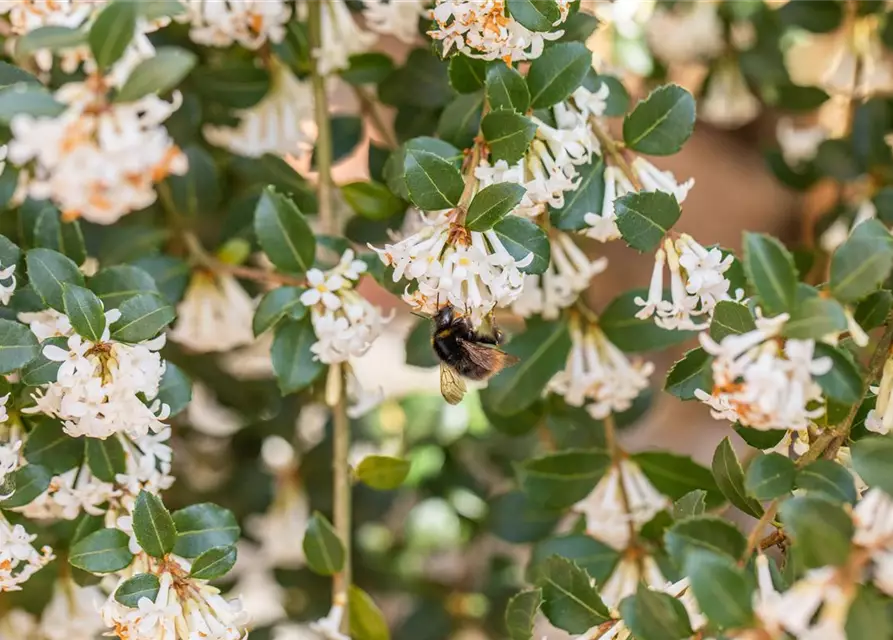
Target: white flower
(250, 23)
(6, 290)
(285, 521)
(622, 502)
(216, 314)
(799, 145)
(69, 495)
(207, 415)
(728, 102)
(263, 598)
(396, 18)
(568, 275)
(72, 613)
(481, 29)
(24, 16)
(98, 388)
(9, 461)
(762, 384)
(341, 37)
(840, 229)
(473, 271)
(330, 626)
(251, 362)
(627, 575)
(19, 560)
(602, 226)
(689, 32)
(873, 517)
(98, 160)
(880, 419)
(598, 374)
(322, 289)
(48, 323)
(795, 610)
(281, 123)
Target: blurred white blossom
(215, 314)
(250, 23)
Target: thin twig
(323, 125)
(610, 145)
(754, 536)
(342, 494)
(205, 259)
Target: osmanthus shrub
(188, 449)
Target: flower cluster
(24, 17)
(697, 284)
(764, 382)
(19, 560)
(99, 386)
(250, 23)
(482, 29)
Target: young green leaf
(48, 271)
(661, 123)
(770, 476)
(103, 551)
(554, 75)
(770, 271)
(85, 311)
(705, 532)
(862, 263)
(492, 204)
(691, 504)
(366, 620)
(559, 480)
(142, 318)
(283, 232)
(433, 183)
(723, 590)
(295, 364)
(276, 305)
(869, 615)
(214, 563)
(652, 615)
(522, 237)
(50, 37)
(644, 218)
(383, 472)
(18, 346)
(112, 31)
(106, 458)
(821, 530)
(570, 602)
(506, 88)
(322, 546)
(730, 479)
(153, 525)
(508, 134)
(372, 200)
(203, 526)
(520, 614)
(142, 585)
(690, 373)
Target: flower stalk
(614, 149)
(324, 129)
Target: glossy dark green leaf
(103, 551)
(675, 475)
(587, 198)
(18, 346)
(433, 183)
(536, 15)
(594, 557)
(283, 232)
(460, 121)
(506, 88)
(692, 372)
(652, 615)
(560, 480)
(508, 135)
(382, 472)
(554, 75)
(235, 85)
(467, 74)
(844, 381)
(85, 311)
(276, 305)
(322, 546)
(818, 16)
(522, 237)
(295, 365)
(114, 285)
(142, 585)
(520, 614)
(158, 74)
(492, 204)
(759, 438)
(770, 271)
(214, 563)
(722, 589)
(143, 317)
(570, 601)
(862, 263)
(829, 479)
(513, 518)
(770, 476)
(730, 479)
(661, 123)
(704, 532)
(203, 526)
(48, 271)
(175, 389)
(366, 620)
(50, 447)
(153, 525)
(873, 310)
(419, 352)
(631, 334)
(820, 529)
(51, 232)
(106, 458)
(645, 218)
(869, 615)
(368, 68)
(112, 31)
(871, 460)
(30, 481)
(815, 318)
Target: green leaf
(106, 458)
(492, 204)
(214, 563)
(513, 518)
(675, 475)
(770, 476)
(559, 480)
(691, 373)
(828, 479)
(730, 479)
(142, 585)
(542, 350)
(85, 311)
(175, 389)
(48, 271)
(203, 526)
(283, 232)
(295, 365)
(871, 460)
(651, 615)
(645, 218)
(366, 620)
(520, 614)
(276, 305)
(505, 88)
(103, 551)
(29, 481)
(51, 38)
(433, 183)
(153, 525)
(197, 192)
(522, 237)
(595, 558)
(27, 98)
(115, 285)
(419, 352)
(235, 85)
(869, 615)
(536, 15)
(158, 74)
(873, 310)
(322, 546)
(690, 505)
(586, 198)
(50, 447)
(843, 382)
(18, 346)
(112, 32)
(730, 318)
(632, 335)
(554, 75)
(50, 232)
(570, 602)
(862, 263)
(142, 317)
(821, 530)
(508, 134)
(368, 68)
(705, 532)
(818, 16)
(467, 74)
(372, 200)
(815, 318)
(722, 589)
(661, 123)
(770, 271)
(383, 472)
(760, 438)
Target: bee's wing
(452, 386)
(490, 358)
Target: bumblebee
(465, 353)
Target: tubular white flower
(48, 323)
(97, 159)
(19, 560)
(215, 315)
(473, 271)
(341, 37)
(24, 16)
(481, 29)
(799, 145)
(624, 500)
(9, 463)
(880, 419)
(207, 415)
(795, 609)
(598, 374)
(345, 323)
(250, 23)
(98, 386)
(398, 19)
(330, 626)
(728, 102)
(762, 384)
(836, 234)
(689, 32)
(6, 290)
(627, 575)
(263, 598)
(569, 273)
(679, 590)
(281, 123)
(283, 523)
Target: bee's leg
(498, 335)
